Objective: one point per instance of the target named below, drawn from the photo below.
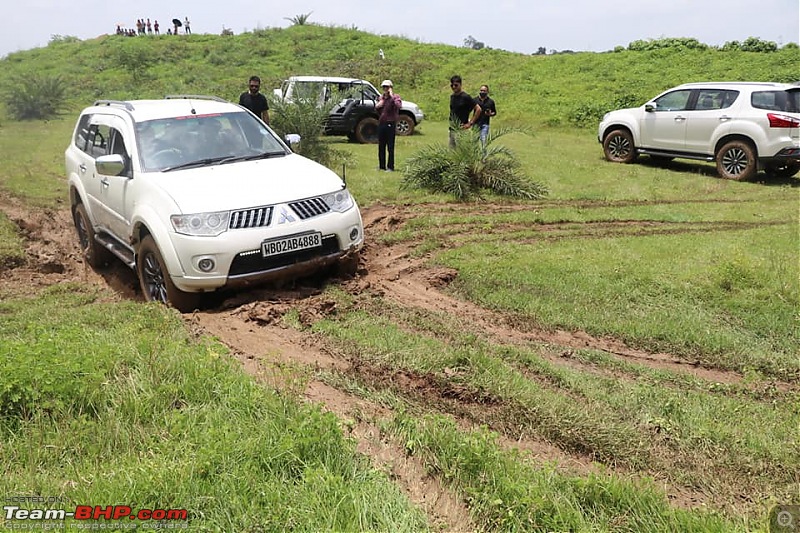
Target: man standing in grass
(488, 110)
(254, 100)
(461, 105)
(388, 106)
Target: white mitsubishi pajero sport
(196, 193)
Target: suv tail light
(782, 121)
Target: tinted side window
(81, 139)
(674, 101)
(715, 99)
(786, 101)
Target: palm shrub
(305, 118)
(34, 96)
(468, 169)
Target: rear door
(709, 119)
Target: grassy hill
(552, 89)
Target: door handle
(724, 118)
(105, 182)
(82, 166)
(680, 118)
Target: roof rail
(126, 105)
(194, 97)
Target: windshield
(219, 137)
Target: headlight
(339, 201)
(208, 224)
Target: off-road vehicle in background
(742, 126)
(353, 112)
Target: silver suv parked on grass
(196, 193)
(742, 126)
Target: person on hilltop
(155, 27)
(186, 29)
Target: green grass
(114, 403)
(12, 249)
(104, 402)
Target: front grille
(309, 208)
(253, 261)
(257, 217)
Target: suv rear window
(786, 101)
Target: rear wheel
(736, 160)
(405, 125)
(93, 253)
(367, 130)
(156, 284)
(618, 147)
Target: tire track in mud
(250, 324)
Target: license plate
(290, 244)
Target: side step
(111, 244)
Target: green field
(621, 355)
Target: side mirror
(650, 107)
(110, 165)
(293, 140)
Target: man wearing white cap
(388, 106)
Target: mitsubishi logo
(285, 215)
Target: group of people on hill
(145, 27)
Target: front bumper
(237, 257)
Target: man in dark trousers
(388, 106)
(254, 100)
(461, 105)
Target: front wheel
(618, 147)
(367, 130)
(736, 160)
(405, 125)
(93, 252)
(156, 284)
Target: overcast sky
(516, 25)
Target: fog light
(354, 234)
(206, 264)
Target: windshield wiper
(252, 157)
(198, 163)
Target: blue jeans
(484, 134)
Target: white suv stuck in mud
(742, 126)
(195, 194)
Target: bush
(34, 96)
(305, 118)
(468, 169)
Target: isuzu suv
(196, 193)
(742, 126)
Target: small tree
(299, 20)
(35, 96)
(468, 169)
(472, 42)
(305, 118)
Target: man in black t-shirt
(255, 101)
(461, 105)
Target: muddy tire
(95, 255)
(618, 147)
(736, 160)
(367, 130)
(347, 266)
(405, 125)
(156, 284)
(782, 171)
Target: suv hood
(247, 184)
